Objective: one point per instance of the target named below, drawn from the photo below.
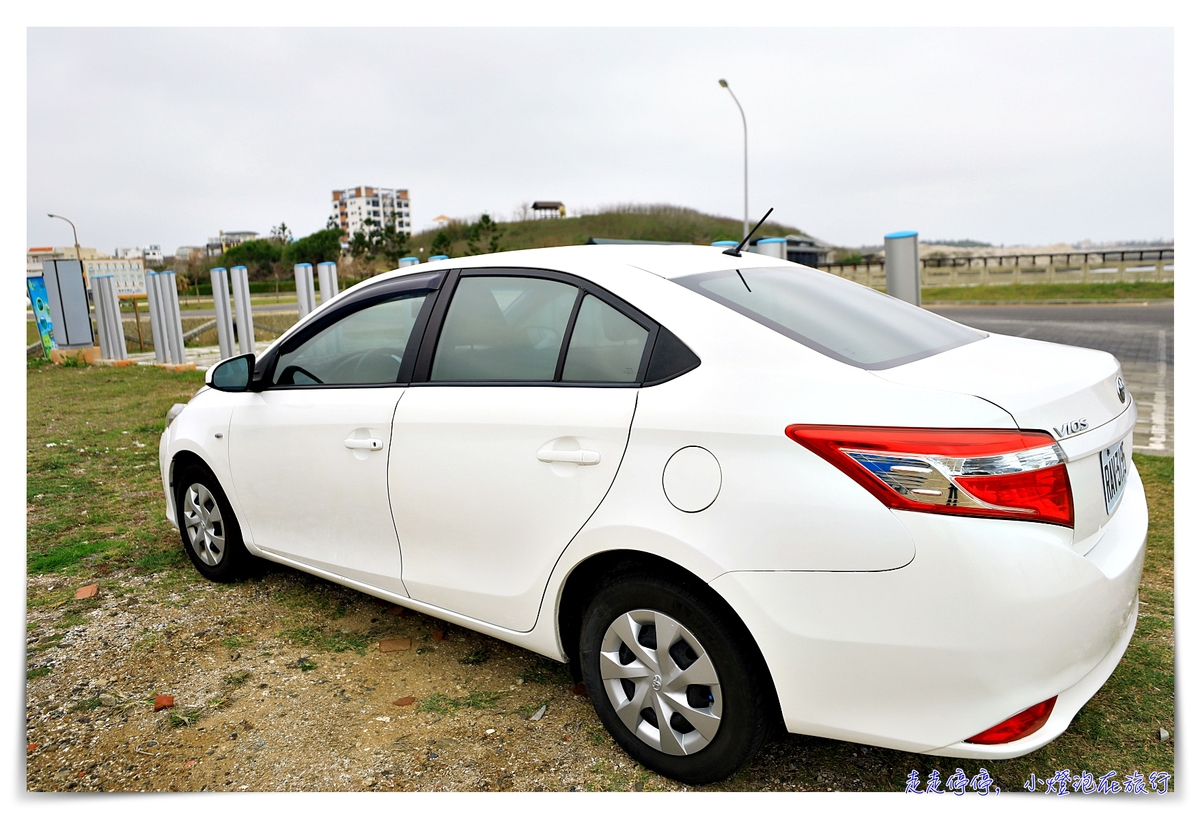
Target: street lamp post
(78, 256)
(745, 163)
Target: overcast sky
(1009, 136)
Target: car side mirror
(232, 374)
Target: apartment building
(353, 206)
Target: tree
(483, 236)
(281, 235)
(360, 242)
(193, 269)
(324, 245)
(390, 242)
(258, 257)
(441, 244)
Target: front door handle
(373, 444)
(582, 457)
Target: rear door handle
(373, 444)
(582, 457)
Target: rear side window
(843, 320)
(606, 346)
(501, 328)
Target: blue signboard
(41, 312)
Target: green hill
(639, 222)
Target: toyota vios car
(728, 490)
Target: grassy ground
(1109, 291)
(95, 513)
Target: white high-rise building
(353, 206)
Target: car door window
(502, 328)
(365, 347)
(605, 347)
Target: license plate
(1113, 471)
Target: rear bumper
(991, 617)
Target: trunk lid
(1076, 394)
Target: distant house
(442, 222)
(34, 256)
(806, 251)
(549, 210)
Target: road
(1141, 337)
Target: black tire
(741, 695)
(220, 555)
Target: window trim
(433, 331)
(390, 290)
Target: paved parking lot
(1140, 336)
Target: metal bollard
(157, 331)
(220, 288)
(306, 300)
(327, 273)
(108, 318)
(169, 292)
(774, 247)
(120, 350)
(902, 266)
(240, 281)
(102, 316)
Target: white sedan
(730, 491)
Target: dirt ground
(271, 715)
(257, 709)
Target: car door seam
(613, 482)
(387, 478)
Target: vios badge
(1120, 389)
(1073, 427)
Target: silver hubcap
(661, 682)
(202, 520)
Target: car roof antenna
(737, 251)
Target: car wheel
(210, 532)
(674, 682)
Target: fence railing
(1059, 268)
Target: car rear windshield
(846, 321)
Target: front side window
(365, 347)
(838, 318)
(606, 346)
(503, 328)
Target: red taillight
(1025, 723)
(1003, 473)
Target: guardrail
(1042, 268)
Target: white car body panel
(202, 430)
(904, 629)
(880, 658)
(304, 494)
(482, 519)
(1042, 385)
